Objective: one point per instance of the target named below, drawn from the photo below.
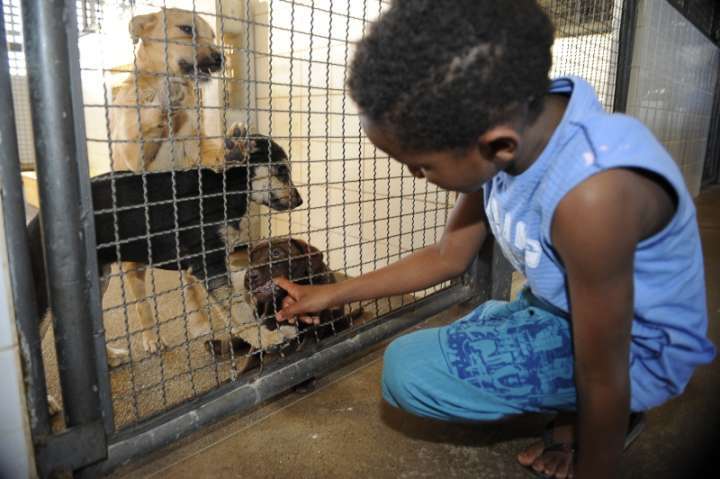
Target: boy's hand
(302, 300)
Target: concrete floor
(344, 430)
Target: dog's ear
(141, 25)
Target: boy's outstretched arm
(596, 229)
(464, 234)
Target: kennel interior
(283, 75)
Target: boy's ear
(500, 142)
(141, 25)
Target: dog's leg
(115, 356)
(196, 300)
(54, 407)
(135, 275)
(221, 302)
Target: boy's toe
(529, 455)
(551, 462)
(564, 471)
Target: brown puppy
(299, 262)
(293, 259)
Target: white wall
(16, 452)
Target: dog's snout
(295, 198)
(253, 275)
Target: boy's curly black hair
(439, 73)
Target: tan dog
(156, 124)
(155, 120)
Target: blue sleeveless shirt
(670, 317)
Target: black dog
(189, 219)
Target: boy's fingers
(289, 311)
(287, 285)
(310, 319)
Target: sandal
(635, 427)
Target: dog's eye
(276, 253)
(186, 29)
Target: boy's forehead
(380, 136)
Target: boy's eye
(186, 29)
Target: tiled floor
(344, 430)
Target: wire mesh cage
(14, 37)
(224, 150)
(190, 234)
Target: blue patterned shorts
(503, 358)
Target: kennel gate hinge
(72, 449)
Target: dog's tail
(38, 265)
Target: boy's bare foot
(555, 461)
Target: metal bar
(241, 397)
(479, 275)
(491, 273)
(502, 272)
(711, 168)
(626, 45)
(88, 222)
(63, 235)
(16, 237)
(72, 449)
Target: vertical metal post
(491, 273)
(88, 221)
(64, 238)
(626, 46)
(21, 277)
(502, 272)
(711, 168)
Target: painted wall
(16, 452)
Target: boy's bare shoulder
(611, 211)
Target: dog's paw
(152, 343)
(237, 130)
(288, 332)
(237, 144)
(271, 338)
(54, 407)
(117, 356)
